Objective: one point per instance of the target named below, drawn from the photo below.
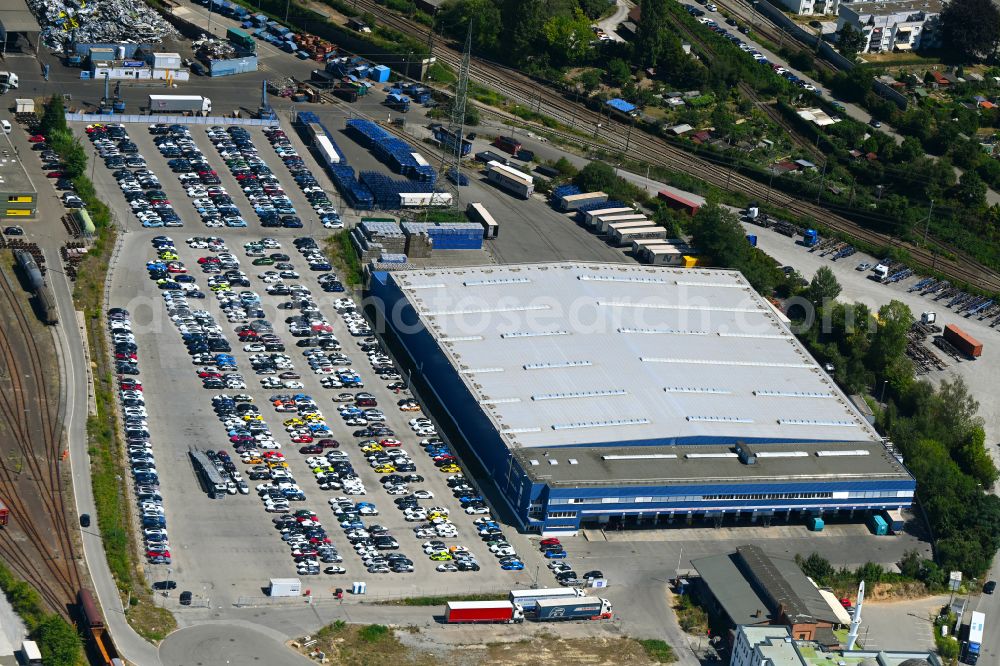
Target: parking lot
(226, 550)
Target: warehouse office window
(561, 514)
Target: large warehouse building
(606, 393)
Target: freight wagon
(510, 179)
(678, 202)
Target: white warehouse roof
(585, 354)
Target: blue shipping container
(379, 74)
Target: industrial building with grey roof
(596, 393)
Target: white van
(6, 126)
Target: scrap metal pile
(214, 49)
(99, 21)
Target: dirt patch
(888, 591)
(364, 645)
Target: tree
(53, 117)
(850, 41)
(653, 33)
(590, 80)
(887, 353)
(911, 565)
(971, 190)
(596, 177)
(824, 287)
(568, 37)
(455, 16)
(619, 72)
(59, 643)
(522, 21)
(816, 567)
(970, 29)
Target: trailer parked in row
(582, 608)
(604, 222)
(510, 179)
(590, 216)
(624, 236)
(477, 212)
(483, 612)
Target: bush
(658, 651)
(58, 641)
(374, 633)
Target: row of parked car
(259, 184)
(747, 48)
(304, 178)
(138, 443)
(55, 170)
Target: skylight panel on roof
(532, 334)
(711, 455)
(476, 371)
(640, 456)
(812, 422)
(598, 424)
(623, 278)
(781, 454)
(792, 394)
(495, 281)
(663, 331)
(719, 419)
(462, 338)
(677, 306)
(706, 361)
(696, 389)
(852, 452)
(508, 308)
(579, 394)
(556, 364)
(713, 285)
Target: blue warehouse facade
(575, 428)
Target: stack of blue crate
(398, 154)
(581, 212)
(357, 195)
(379, 228)
(448, 236)
(386, 190)
(564, 191)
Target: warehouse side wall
(431, 373)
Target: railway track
(46, 557)
(613, 135)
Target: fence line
(169, 119)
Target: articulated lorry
(179, 104)
(581, 608)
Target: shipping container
(379, 73)
(482, 612)
(510, 179)
(625, 235)
(348, 94)
(508, 144)
(894, 518)
(478, 212)
(816, 524)
(962, 341)
(678, 202)
(488, 156)
(32, 655)
(878, 525)
(600, 223)
(241, 39)
(589, 216)
(573, 201)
